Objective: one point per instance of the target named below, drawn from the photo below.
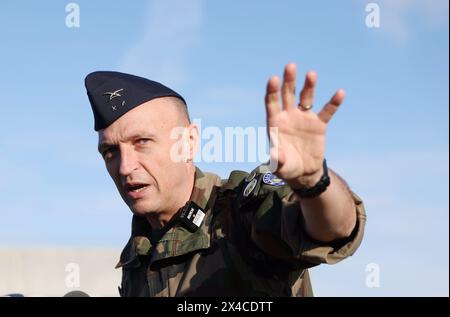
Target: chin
(142, 208)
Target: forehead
(152, 116)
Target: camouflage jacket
(250, 243)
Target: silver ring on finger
(305, 107)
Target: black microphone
(76, 294)
(14, 295)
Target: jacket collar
(177, 240)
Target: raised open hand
(296, 132)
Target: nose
(128, 161)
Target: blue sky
(389, 140)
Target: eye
(143, 141)
(108, 153)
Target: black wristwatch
(317, 189)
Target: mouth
(136, 190)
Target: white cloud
(171, 31)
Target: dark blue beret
(112, 94)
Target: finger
(288, 88)
(307, 93)
(332, 106)
(273, 97)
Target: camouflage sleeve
(278, 228)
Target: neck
(160, 219)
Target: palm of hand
(297, 135)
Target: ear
(193, 136)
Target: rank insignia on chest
(192, 216)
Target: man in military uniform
(193, 234)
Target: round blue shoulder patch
(272, 179)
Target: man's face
(136, 149)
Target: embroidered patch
(272, 179)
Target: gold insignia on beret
(113, 94)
